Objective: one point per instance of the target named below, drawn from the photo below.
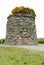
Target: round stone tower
(21, 29)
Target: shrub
(16, 10)
(2, 41)
(41, 40)
(22, 9)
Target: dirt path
(39, 47)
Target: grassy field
(19, 56)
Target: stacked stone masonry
(21, 30)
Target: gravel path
(39, 47)
(34, 47)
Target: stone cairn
(21, 29)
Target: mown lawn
(19, 56)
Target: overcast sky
(7, 5)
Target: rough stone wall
(21, 30)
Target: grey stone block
(21, 30)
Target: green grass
(19, 56)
